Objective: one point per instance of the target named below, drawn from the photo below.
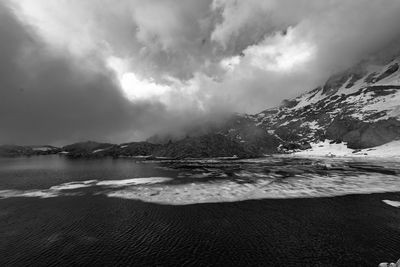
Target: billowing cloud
(289, 46)
(50, 95)
(97, 69)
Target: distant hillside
(17, 151)
(211, 145)
(360, 107)
(205, 146)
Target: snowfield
(328, 149)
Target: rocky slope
(360, 107)
(204, 146)
(16, 151)
(88, 149)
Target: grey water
(260, 212)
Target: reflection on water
(42, 172)
(196, 181)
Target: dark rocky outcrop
(359, 134)
(295, 146)
(88, 149)
(137, 149)
(206, 146)
(392, 69)
(254, 138)
(19, 151)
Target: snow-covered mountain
(360, 106)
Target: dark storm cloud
(74, 70)
(49, 97)
(292, 46)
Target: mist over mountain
(118, 73)
(359, 107)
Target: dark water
(45, 171)
(296, 212)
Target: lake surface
(262, 212)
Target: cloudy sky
(73, 70)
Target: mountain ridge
(359, 107)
